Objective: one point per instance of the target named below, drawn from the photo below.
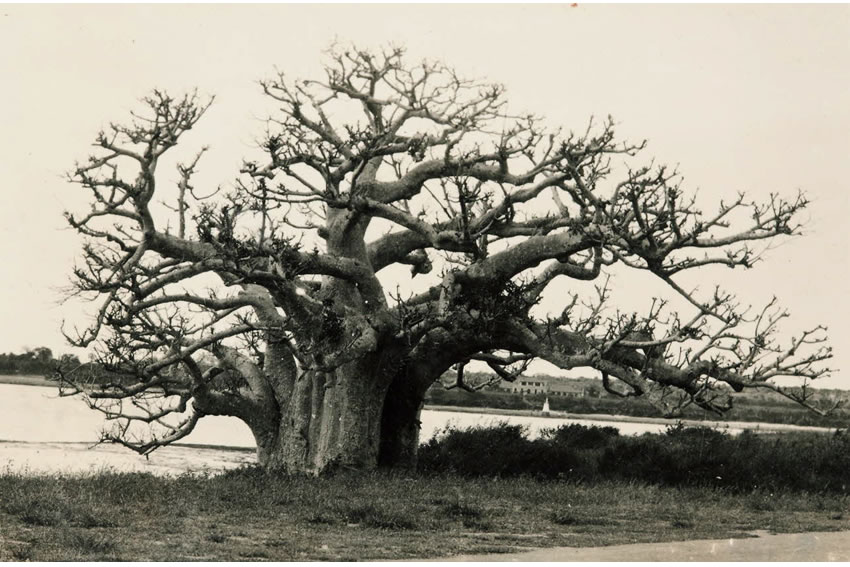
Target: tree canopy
(278, 299)
(39, 360)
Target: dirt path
(812, 546)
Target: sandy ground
(812, 546)
(82, 458)
(27, 380)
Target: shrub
(580, 436)
(700, 434)
(477, 451)
(681, 456)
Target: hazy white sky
(753, 98)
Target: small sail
(546, 406)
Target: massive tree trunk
(332, 419)
(358, 415)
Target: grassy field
(249, 515)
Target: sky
(749, 98)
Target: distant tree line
(39, 360)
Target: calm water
(42, 432)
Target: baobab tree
(279, 300)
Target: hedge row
(697, 456)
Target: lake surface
(41, 432)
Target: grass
(249, 515)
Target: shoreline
(27, 380)
(42, 382)
(95, 444)
(744, 425)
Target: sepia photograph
(424, 282)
